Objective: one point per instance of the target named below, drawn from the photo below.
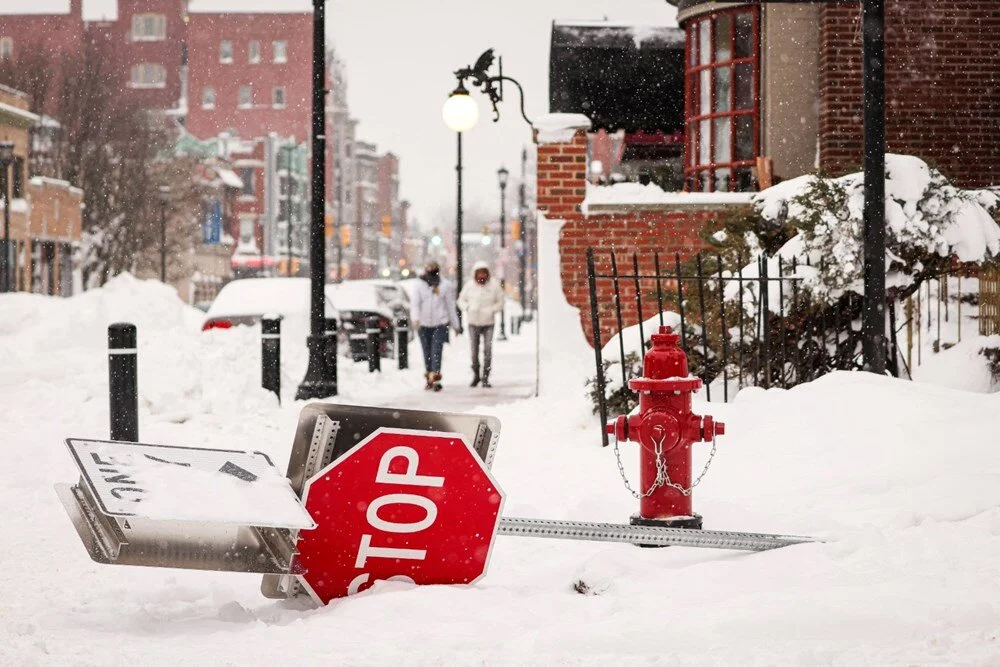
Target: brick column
(562, 177)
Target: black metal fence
(739, 326)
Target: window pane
(723, 139)
(722, 180)
(706, 181)
(692, 47)
(744, 180)
(723, 88)
(693, 97)
(744, 35)
(705, 92)
(705, 42)
(744, 86)
(704, 141)
(692, 144)
(723, 37)
(744, 137)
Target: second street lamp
(164, 203)
(502, 176)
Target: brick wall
(942, 86)
(561, 190)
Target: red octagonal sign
(404, 505)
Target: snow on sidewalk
(901, 480)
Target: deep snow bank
(901, 480)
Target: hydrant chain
(662, 476)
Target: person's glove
(415, 325)
(459, 331)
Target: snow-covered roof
(250, 6)
(93, 10)
(20, 113)
(229, 177)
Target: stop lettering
(402, 505)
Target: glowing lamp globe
(460, 112)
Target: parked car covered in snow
(359, 300)
(245, 302)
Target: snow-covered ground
(901, 480)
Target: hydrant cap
(665, 359)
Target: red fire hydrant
(665, 429)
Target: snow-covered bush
(811, 229)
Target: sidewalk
(513, 376)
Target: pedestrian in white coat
(482, 300)
(431, 312)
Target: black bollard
(330, 348)
(123, 378)
(270, 355)
(374, 357)
(403, 343)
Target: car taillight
(384, 323)
(217, 324)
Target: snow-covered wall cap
(602, 198)
(559, 128)
(250, 7)
(92, 10)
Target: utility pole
(873, 63)
(288, 209)
(522, 214)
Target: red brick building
(782, 82)
(249, 72)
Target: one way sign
(187, 484)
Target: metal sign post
(370, 493)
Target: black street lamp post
(164, 203)
(461, 113)
(319, 381)
(6, 160)
(502, 177)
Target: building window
(149, 27)
(246, 175)
(149, 75)
(208, 98)
(225, 51)
(246, 97)
(253, 52)
(247, 228)
(278, 98)
(6, 48)
(280, 49)
(722, 101)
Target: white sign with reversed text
(170, 483)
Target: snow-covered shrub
(811, 229)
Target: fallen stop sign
(404, 505)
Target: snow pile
(559, 128)
(925, 215)
(965, 366)
(633, 194)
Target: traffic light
(345, 235)
(515, 230)
(328, 227)
(387, 226)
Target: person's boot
(436, 379)
(475, 378)
(486, 382)
(429, 377)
